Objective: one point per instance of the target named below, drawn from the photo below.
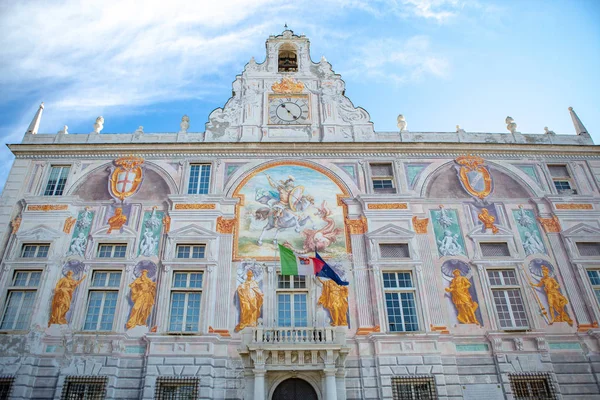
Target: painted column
(223, 275)
(259, 384)
(552, 228)
(429, 273)
(330, 387)
(362, 278)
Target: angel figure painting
(293, 205)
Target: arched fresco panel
(295, 204)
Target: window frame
(105, 290)
(577, 242)
(569, 179)
(292, 291)
(197, 187)
(398, 290)
(505, 287)
(37, 249)
(10, 287)
(112, 252)
(382, 178)
(49, 175)
(192, 246)
(187, 290)
(595, 286)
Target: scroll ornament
(126, 178)
(225, 225)
(288, 86)
(420, 224)
(69, 223)
(357, 226)
(474, 176)
(551, 225)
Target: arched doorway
(294, 388)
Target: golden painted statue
(488, 220)
(556, 301)
(459, 289)
(63, 295)
(143, 290)
(117, 221)
(334, 298)
(251, 300)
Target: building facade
(473, 259)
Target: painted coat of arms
(126, 179)
(474, 177)
(293, 205)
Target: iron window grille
(57, 180)
(84, 388)
(532, 386)
(495, 249)
(414, 387)
(6, 383)
(394, 250)
(382, 176)
(170, 388)
(35, 250)
(588, 249)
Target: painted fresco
(463, 304)
(78, 270)
(151, 231)
(546, 292)
(81, 233)
(476, 209)
(448, 235)
(293, 205)
(531, 239)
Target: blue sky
(438, 62)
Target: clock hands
(289, 112)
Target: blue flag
(328, 272)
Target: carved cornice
(195, 206)
(357, 226)
(573, 206)
(420, 224)
(225, 225)
(551, 225)
(47, 207)
(388, 206)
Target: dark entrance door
(294, 388)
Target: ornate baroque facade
(145, 265)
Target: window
(35, 250)
(594, 276)
(382, 176)
(527, 386)
(414, 388)
(176, 388)
(199, 179)
(191, 250)
(507, 298)
(394, 250)
(6, 386)
(112, 250)
(400, 301)
(292, 293)
(57, 180)
(562, 179)
(495, 249)
(84, 387)
(287, 60)
(20, 299)
(102, 301)
(588, 249)
(186, 292)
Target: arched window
(288, 60)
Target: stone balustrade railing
(296, 335)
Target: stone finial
(548, 132)
(402, 124)
(511, 124)
(139, 130)
(579, 128)
(459, 129)
(35, 122)
(99, 124)
(64, 130)
(185, 124)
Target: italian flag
(291, 264)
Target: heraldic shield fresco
(295, 205)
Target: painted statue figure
(251, 300)
(321, 239)
(532, 244)
(523, 219)
(153, 222)
(143, 290)
(334, 298)
(117, 221)
(461, 297)
(449, 245)
(78, 245)
(63, 295)
(443, 218)
(556, 301)
(148, 244)
(488, 220)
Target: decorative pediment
(192, 231)
(582, 230)
(479, 233)
(391, 231)
(40, 232)
(127, 232)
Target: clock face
(288, 110)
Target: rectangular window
(84, 387)
(414, 387)
(400, 301)
(526, 386)
(102, 301)
(495, 249)
(382, 176)
(562, 179)
(168, 388)
(186, 293)
(507, 298)
(394, 250)
(20, 300)
(35, 250)
(191, 251)
(6, 383)
(594, 276)
(112, 250)
(588, 249)
(292, 294)
(57, 180)
(199, 179)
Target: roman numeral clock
(289, 109)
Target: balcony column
(259, 384)
(330, 386)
